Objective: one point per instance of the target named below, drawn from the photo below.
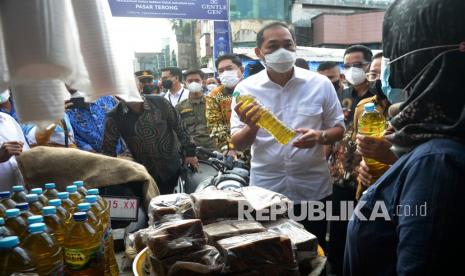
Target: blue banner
(176, 9)
(221, 39)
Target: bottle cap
(31, 198)
(83, 207)
(37, 227)
(35, 219)
(235, 94)
(63, 195)
(50, 186)
(2, 221)
(12, 213)
(54, 202)
(79, 183)
(91, 199)
(22, 206)
(49, 210)
(93, 192)
(80, 216)
(5, 194)
(369, 107)
(37, 191)
(9, 242)
(18, 188)
(71, 188)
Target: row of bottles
(53, 232)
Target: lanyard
(180, 96)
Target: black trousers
(167, 186)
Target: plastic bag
(165, 207)
(173, 237)
(257, 251)
(301, 238)
(212, 205)
(229, 228)
(263, 200)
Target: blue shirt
(424, 192)
(89, 124)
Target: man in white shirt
(304, 101)
(12, 143)
(171, 79)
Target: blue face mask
(394, 95)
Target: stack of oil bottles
(55, 233)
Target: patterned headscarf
(435, 107)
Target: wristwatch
(324, 137)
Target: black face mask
(167, 84)
(337, 85)
(148, 89)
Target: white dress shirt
(180, 96)
(308, 100)
(9, 171)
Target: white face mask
(229, 78)
(194, 87)
(4, 96)
(281, 60)
(211, 86)
(355, 76)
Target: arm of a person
(242, 134)
(111, 136)
(215, 122)
(333, 117)
(174, 120)
(430, 217)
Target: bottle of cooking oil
(372, 123)
(34, 205)
(81, 188)
(44, 250)
(67, 203)
(55, 223)
(2, 210)
(39, 192)
(74, 195)
(83, 248)
(19, 194)
(103, 203)
(6, 201)
(4, 231)
(268, 120)
(16, 223)
(13, 258)
(39, 219)
(50, 191)
(61, 211)
(24, 210)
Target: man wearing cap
(145, 82)
(192, 110)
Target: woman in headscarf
(419, 202)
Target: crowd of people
(417, 84)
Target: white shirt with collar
(178, 97)
(308, 100)
(9, 171)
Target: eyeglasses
(372, 76)
(356, 65)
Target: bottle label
(79, 259)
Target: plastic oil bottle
(4, 231)
(6, 201)
(19, 194)
(103, 203)
(16, 223)
(44, 250)
(268, 121)
(74, 195)
(39, 219)
(50, 191)
(24, 210)
(13, 258)
(34, 205)
(42, 198)
(83, 251)
(61, 211)
(52, 220)
(372, 123)
(2, 210)
(81, 188)
(66, 202)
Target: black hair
(367, 54)
(260, 33)
(302, 63)
(326, 65)
(174, 71)
(378, 55)
(194, 71)
(234, 59)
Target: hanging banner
(221, 39)
(173, 9)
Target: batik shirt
(219, 115)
